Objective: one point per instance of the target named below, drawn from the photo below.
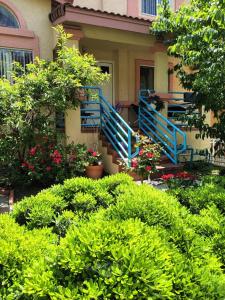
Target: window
(8, 56)
(149, 7)
(7, 19)
(146, 78)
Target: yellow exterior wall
(36, 13)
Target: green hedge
(111, 239)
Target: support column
(123, 80)
(123, 77)
(161, 76)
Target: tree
(28, 106)
(195, 34)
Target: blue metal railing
(160, 129)
(96, 111)
(179, 110)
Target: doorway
(146, 78)
(108, 87)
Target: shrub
(19, 249)
(63, 222)
(198, 198)
(38, 211)
(120, 241)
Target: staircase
(117, 139)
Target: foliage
(94, 158)
(38, 211)
(28, 106)
(116, 240)
(195, 35)
(180, 179)
(19, 250)
(149, 153)
(76, 159)
(202, 197)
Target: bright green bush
(115, 240)
(199, 198)
(63, 222)
(38, 211)
(19, 249)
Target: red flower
(134, 163)
(57, 160)
(94, 154)
(141, 152)
(30, 167)
(56, 157)
(33, 151)
(150, 155)
(90, 150)
(24, 164)
(167, 176)
(48, 169)
(148, 168)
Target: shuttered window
(9, 56)
(149, 7)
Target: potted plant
(94, 168)
(144, 164)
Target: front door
(107, 88)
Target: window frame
(13, 15)
(10, 51)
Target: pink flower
(141, 152)
(48, 169)
(90, 150)
(94, 154)
(33, 151)
(150, 155)
(148, 168)
(134, 163)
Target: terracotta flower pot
(94, 172)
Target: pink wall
(133, 8)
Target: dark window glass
(7, 19)
(105, 69)
(150, 6)
(147, 78)
(9, 56)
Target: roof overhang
(68, 14)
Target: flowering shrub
(93, 158)
(45, 162)
(50, 162)
(180, 179)
(145, 163)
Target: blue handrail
(108, 120)
(160, 129)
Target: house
(116, 32)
